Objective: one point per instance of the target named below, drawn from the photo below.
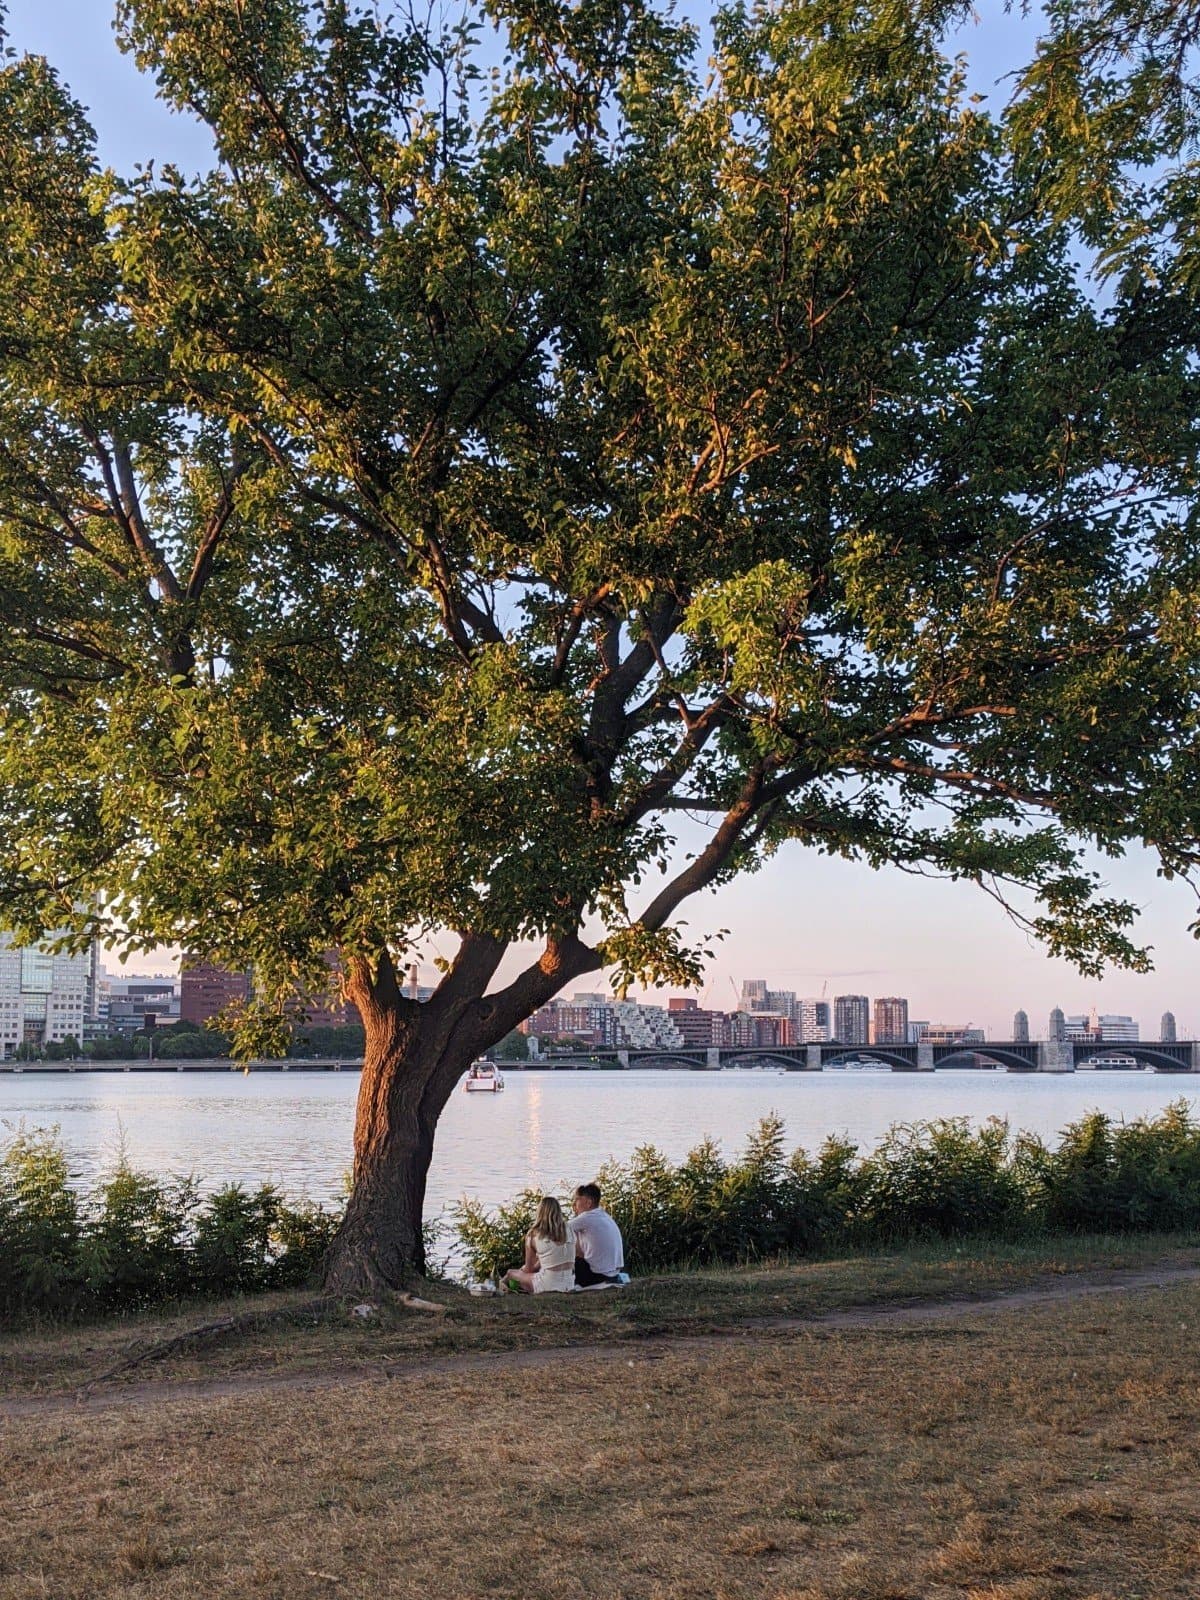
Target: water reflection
(546, 1129)
(533, 1126)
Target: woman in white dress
(549, 1265)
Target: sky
(806, 922)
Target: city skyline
(754, 993)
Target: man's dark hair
(589, 1191)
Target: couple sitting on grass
(585, 1252)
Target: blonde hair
(550, 1222)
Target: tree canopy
(522, 437)
(1108, 110)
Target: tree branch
(155, 562)
(698, 874)
(213, 533)
(979, 781)
(468, 975)
(563, 958)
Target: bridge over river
(1040, 1055)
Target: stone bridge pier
(1056, 1055)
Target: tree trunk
(413, 1060)
(409, 1072)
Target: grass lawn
(1047, 1452)
(296, 1335)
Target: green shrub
(939, 1180)
(133, 1241)
(133, 1247)
(39, 1226)
(1114, 1176)
(300, 1236)
(926, 1180)
(231, 1249)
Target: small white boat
(484, 1078)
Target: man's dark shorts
(585, 1278)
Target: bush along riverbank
(133, 1241)
(925, 1181)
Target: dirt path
(146, 1392)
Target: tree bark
(409, 1071)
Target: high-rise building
(760, 1030)
(758, 1000)
(891, 1020)
(812, 1021)
(135, 1003)
(206, 988)
(1021, 1028)
(851, 1018)
(644, 1027)
(94, 982)
(1166, 1031)
(1058, 1025)
(590, 1018)
(44, 997)
(1117, 1029)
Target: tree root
(239, 1323)
(243, 1322)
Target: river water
(547, 1128)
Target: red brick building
(700, 1028)
(205, 989)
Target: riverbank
(718, 1441)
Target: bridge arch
(1168, 1058)
(1017, 1060)
(873, 1052)
(659, 1058)
(791, 1058)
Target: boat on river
(484, 1078)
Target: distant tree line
(188, 1041)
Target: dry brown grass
(1042, 1454)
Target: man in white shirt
(599, 1249)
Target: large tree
(520, 441)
